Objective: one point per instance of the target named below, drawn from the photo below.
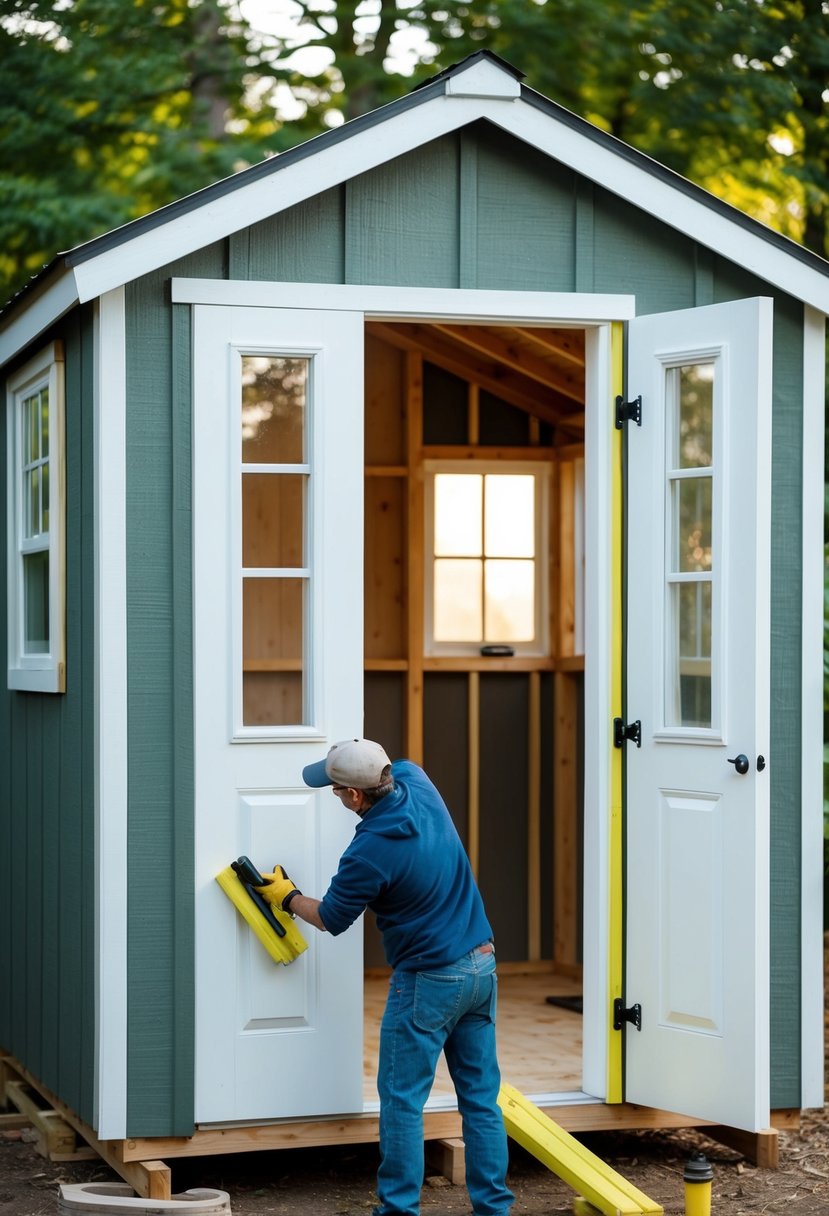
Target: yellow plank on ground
(586, 1173)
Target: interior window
(485, 566)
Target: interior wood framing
(540, 372)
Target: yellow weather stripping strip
(281, 949)
(615, 1092)
(586, 1173)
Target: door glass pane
(693, 523)
(510, 601)
(273, 520)
(274, 409)
(36, 602)
(693, 389)
(509, 515)
(689, 701)
(273, 618)
(458, 612)
(458, 514)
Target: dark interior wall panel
(384, 716)
(547, 815)
(503, 810)
(446, 741)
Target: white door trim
(110, 647)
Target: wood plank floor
(539, 1045)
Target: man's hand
(279, 889)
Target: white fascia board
(811, 947)
(28, 323)
(111, 718)
(666, 203)
(395, 303)
(329, 166)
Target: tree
(109, 109)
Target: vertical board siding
(402, 220)
(160, 979)
(525, 213)
(47, 797)
(634, 253)
(305, 244)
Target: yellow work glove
(279, 889)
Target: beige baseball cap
(357, 763)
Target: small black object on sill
(497, 652)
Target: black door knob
(740, 763)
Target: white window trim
(540, 645)
(40, 672)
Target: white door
(277, 568)
(697, 894)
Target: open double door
(690, 642)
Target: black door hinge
(622, 733)
(628, 411)
(622, 1015)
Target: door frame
(601, 317)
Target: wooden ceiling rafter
(563, 412)
(501, 345)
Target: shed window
(36, 572)
(486, 574)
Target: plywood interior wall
(501, 737)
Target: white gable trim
(29, 323)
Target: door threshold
(450, 1103)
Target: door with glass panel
(277, 578)
(697, 628)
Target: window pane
(510, 601)
(31, 446)
(44, 422)
(509, 515)
(32, 526)
(36, 602)
(274, 409)
(458, 614)
(272, 651)
(692, 523)
(272, 520)
(692, 388)
(689, 690)
(458, 514)
(44, 499)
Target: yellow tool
(276, 930)
(698, 1177)
(594, 1180)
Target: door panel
(698, 490)
(278, 678)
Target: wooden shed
(466, 427)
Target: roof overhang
(481, 88)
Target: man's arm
(307, 909)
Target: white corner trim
(394, 303)
(811, 947)
(29, 323)
(111, 718)
(483, 79)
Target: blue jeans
(450, 1009)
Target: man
(407, 864)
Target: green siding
(473, 209)
(47, 874)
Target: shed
(466, 427)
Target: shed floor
(539, 1045)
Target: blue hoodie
(406, 862)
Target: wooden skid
(586, 1173)
(56, 1139)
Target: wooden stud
(473, 834)
(566, 597)
(474, 415)
(415, 556)
(565, 819)
(762, 1148)
(534, 817)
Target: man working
(407, 864)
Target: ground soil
(340, 1181)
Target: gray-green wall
(47, 823)
(476, 209)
